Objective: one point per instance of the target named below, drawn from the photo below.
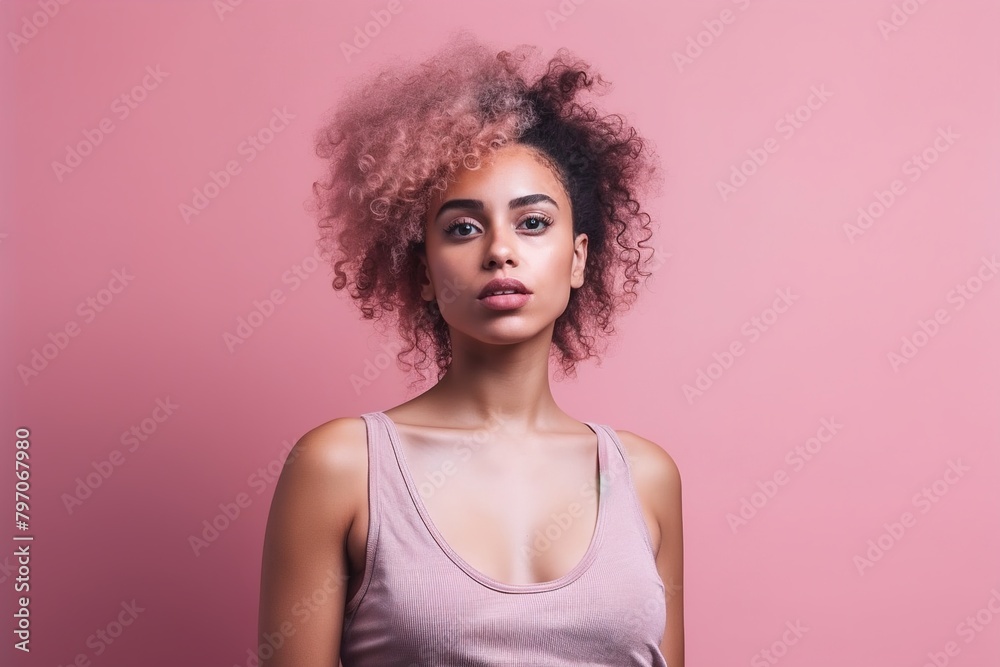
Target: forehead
(512, 171)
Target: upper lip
(502, 285)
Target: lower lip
(505, 301)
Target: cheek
(559, 265)
(452, 278)
(555, 279)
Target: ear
(579, 260)
(426, 285)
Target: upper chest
(520, 514)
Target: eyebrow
(477, 204)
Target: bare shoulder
(329, 462)
(338, 444)
(658, 484)
(315, 503)
(650, 463)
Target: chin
(506, 333)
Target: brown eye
(537, 222)
(466, 228)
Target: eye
(466, 228)
(537, 222)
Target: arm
(658, 482)
(670, 561)
(304, 569)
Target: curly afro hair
(398, 135)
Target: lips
(503, 286)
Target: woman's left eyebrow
(477, 204)
(528, 200)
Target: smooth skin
(489, 223)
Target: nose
(500, 250)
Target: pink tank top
(420, 604)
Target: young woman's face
(510, 218)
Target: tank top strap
(390, 486)
(620, 480)
(391, 501)
(374, 446)
(420, 604)
(388, 499)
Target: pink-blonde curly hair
(400, 134)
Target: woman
(476, 200)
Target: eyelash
(544, 219)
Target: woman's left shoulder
(650, 463)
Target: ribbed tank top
(420, 604)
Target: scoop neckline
(574, 573)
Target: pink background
(856, 296)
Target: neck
(509, 383)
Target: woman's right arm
(304, 570)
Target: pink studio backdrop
(817, 349)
